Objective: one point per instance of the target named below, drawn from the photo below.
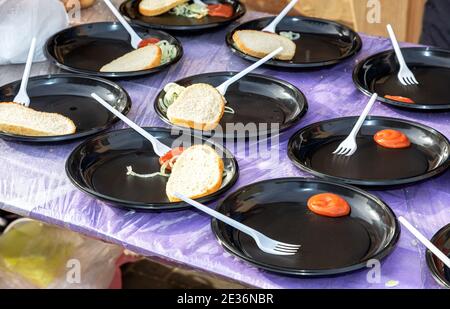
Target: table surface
(33, 180)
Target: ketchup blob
(329, 205)
(392, 139)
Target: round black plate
(98, 167)
(70, 96)
(88, 47)
(329, 246)
(256, 99)
(322, 42)
(431, 66)
(311, 150)
(130, 9)
(440, 272)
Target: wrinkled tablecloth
(33, 180)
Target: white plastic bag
(20, 20)
(37, 255)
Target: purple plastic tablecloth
(33, 180)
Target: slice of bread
(259, 44)
(21, 120)
(199, 106)
(158, 7)
(137, 60)
(197, 172)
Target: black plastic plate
(256, 100)
(329, 246)
(99, 168)
(311, 149)
(169, 22)
(70, 96)
(86, 48)
(431, 67)
(321, 43)
(440, 272)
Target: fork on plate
(159, 148)
(263, 242)
(405, 76)
(22, 96)
(348, 147)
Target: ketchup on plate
(399, 99)
(148, 41)
(220, 10)
(392, 139)
(168, 156)
(329, 205)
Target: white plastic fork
(348, 147)
(405, 76)
(224, 87)
(273, 25)
(264, 243)
(425, 241)
(22, 96)
(159, 148)
(135, 38)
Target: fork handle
(398, 51)
(272, 26)
(363, 116)
(26, 71)
(237, 225)
(224, 86)
(430, 246)
(156, 144)
(122, 20)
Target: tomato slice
(220, 10)
(148, 41)
(168, 156)
(329, 205)
(392, 139)
(399, 99)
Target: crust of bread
(18, 130)
(12, 129)
(155, 12)
(157, 61)
(212, 190)
(200, 126)
(247, 50)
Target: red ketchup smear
(329, 205)
(399, 99)
(168, 156)
(220, 10)
(148, 41)
(392, 139)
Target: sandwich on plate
(20, 120)
(150, 55)
(198, 106)
(259, 44)
(195, 172)
(184, 8)
(158, 7)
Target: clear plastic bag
(21, 20)
(37, 255)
